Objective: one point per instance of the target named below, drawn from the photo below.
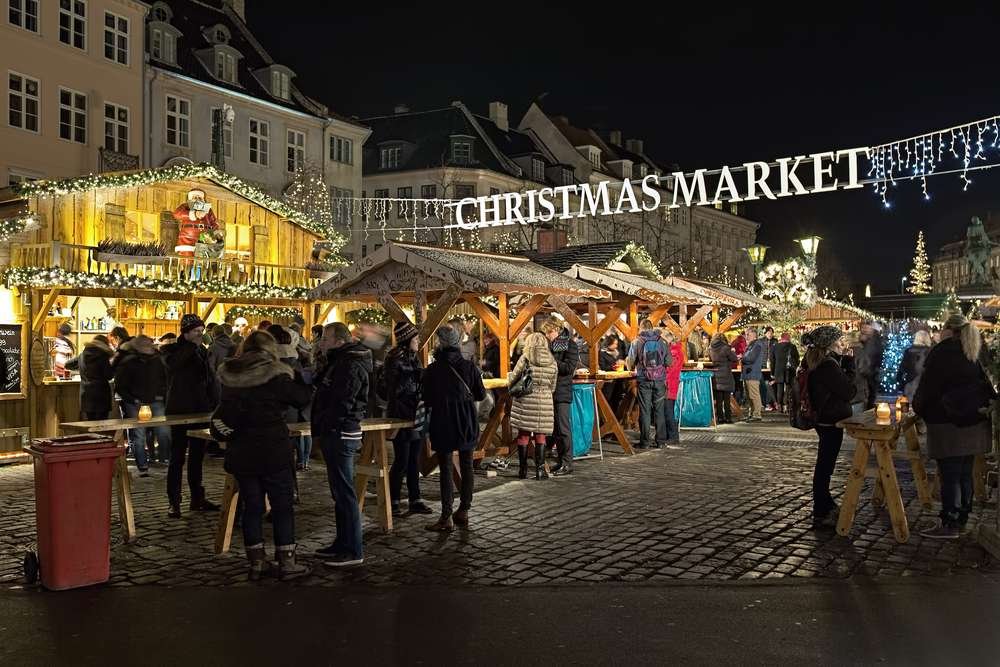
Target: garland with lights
(639, 251)
(952, 306)
(19, 223)
(369, 315)
(272, 313)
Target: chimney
(239, 6)
(400, 108)
(615, 137)
(634, 145)
(550, 240)
(498, 114)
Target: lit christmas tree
(308, 194)
(896, 345)
(951, 306)
(920, 274)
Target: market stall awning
(635, 285)
(830, 311)
(716, 293)
(406, 268)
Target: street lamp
(810, 245)
(756, 254)
(902, 282)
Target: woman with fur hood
(257, 389)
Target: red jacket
(740, 345)
(674, 371)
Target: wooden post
(594, 348)
(503, 333)
(224, 529)
(855, 480)
(440, 312)
(38, 323)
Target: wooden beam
(392, 307)
(324, 312)
(731, 320)
(440, 312)
(572, 319)
(594, 339)
(211, 305)
(612, 316)
(673, 327)
(527, 312)
(484, 312)
(656, 314)
(695, 320)
(503, 334)
(39, 322)
(633, 320)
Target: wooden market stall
(131, 248)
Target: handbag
(524, 385)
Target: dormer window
(279, 84)
(461, 149)
(218, 34)
(537, 170)
(643, 170)
(161, 12)
(567, 176)
(225, 66)
(163, 45)
(389, 157)
(595, 157)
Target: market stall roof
(828, 310)
(402, 268)
(635, 285)
(605, 255)
(716, 293)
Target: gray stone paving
(732, 504)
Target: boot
(541, 470)
(522, 461)
(257, 558)
(199, 504)
(461, 518)
(288, 568)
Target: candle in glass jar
(882, 413)
(145, 414)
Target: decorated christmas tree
(308, 194)
(896, 343)
(920, 274)
(951, 306)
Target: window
(567, 176)
(72, 116)
(260, 141)
(342, 203)
(461, 151)
(341, 150)
(116, 38)
(225, 66)
(537, 170)
(161, 12)
(163, 46)
(494, 192)
(626, 171)
(115, 127)
(463, 191)
(178, 121)
(643, 170)
(296, 149)
(381, 193)
(22, 102)
(279, 84)
(227, 131)
(14, 177)
(428, 191)
(401, 207)
(73, 23)
(389, 157)
(595, 158)
(24, 14)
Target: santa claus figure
(195, 223)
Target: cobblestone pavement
(730, 504)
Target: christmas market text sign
(785, 177)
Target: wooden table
(497, 445)
(612, 423)
(882, 438)
(123, 481)
(373, 462)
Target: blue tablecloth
(694, 399)
(582, 415)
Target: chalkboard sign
(11, 355)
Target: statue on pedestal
(977, 253)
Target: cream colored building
(73, 73)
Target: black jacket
(606, 360)
(341, 399)
(222, 348)
(191, 385)
(567, 356)
(453, 422)
(784, 361)
(95, 377)
(402, 380)
(946, 370)
(831, 388)
(139, 377)
(722, 355)
(491, 359)
(257, 391)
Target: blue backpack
(653, 360)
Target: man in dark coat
(753, 365)
(784, 364)
(141, 379)
(567, 356)
(339, 405)
(94, 364)
(649, 357)
(871, 366)
(191, 389)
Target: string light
(17, 224)
(898, 341)
(270, 313)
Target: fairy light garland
(272, 313)
(17, 224)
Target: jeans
(830, 440)
(447, 487)
(564, 433)
(137, 435)
(779, 394)
(956, 489)
(765, 392)
(180, 446)
(651, 396)
(304, 447)
(339, 453)
(406, 459)
(723, 408)
(278, 487)
(672, 424)
(756, 407)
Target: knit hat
(822, 337)
(189, 322)
(955, 322)
(449, 336)
(404, 332)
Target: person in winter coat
(649, 357)
(191, 389)
(953, 398)
(403, 373)
(94, 364)
(723, 382)
(339, 405)
(222, 346)
(676, 351)
(853, 346)
(607, 361)
(257, 389)
(141, 379)
(534, 414)
(912, 365)
(874, 352)
(740, 348)
(753, 364)
(469, 345)
(784, 363)
(491, 355)
(767, 347)
(830, 384)
(451, 386)
(567, 357)
(63, 350)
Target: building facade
(73, 72)
(951, 268)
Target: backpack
(801, 414)
(653, 360)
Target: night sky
(721, 88)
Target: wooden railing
(236, 271)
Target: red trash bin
(73, 508)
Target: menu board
(11, 354)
